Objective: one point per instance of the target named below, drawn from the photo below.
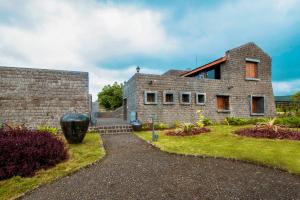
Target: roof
(206, 66)
(174, 72)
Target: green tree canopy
(111, 96)
(296, 96)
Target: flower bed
(194, 131)
(23, 151)
(280, 133)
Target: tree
(296, 96)
(111, 96)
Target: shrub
(242, 121)
(24, 151)
(146, 126)
(160, 126)
(187, 127)
(201, 118)
(293, 122)
(157, 126)
(265, 132)
(176, 124)
(207, 122)
(193, 131)
(48, 129)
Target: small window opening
(150, 97)
(186, 97)
(169, 98)
(223, 103)
(258, 105)
(200, 98)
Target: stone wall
(130, 94)
(232, 83)
(40, 96)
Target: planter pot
(136, 125)
(74, 127)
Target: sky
(109, 39)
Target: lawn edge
(219, 157)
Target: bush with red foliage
(271, 133)
(24, 151)
(194, 131)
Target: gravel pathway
(132, 169)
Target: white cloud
(231, 23)
(80, 35)
(286, 87)
(74, 35)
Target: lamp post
(154, 135)
(138, 69)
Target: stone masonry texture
(38, 97)
(232, 83)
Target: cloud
(286, 87)
(75, 35)
(84, 35)
(213, 30)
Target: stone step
(112, 129)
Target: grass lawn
(221, 142)
(81, 155)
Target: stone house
(239, 84)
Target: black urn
(74, 127)
(136, 125)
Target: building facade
(39, 97)
(238, 85)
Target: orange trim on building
(208, 65)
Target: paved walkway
(132, 169)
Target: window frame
(146, 99)
(223, 110)
(256, 61)
(165, 92)
(251, 105)
(185, 93)
(197, 98)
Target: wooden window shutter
(221, 103)
(251, 70)
(254, 105)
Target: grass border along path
(81, 155)
(222, 142)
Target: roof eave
(206, 66)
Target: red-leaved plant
(23, 151)
(269, 130)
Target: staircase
(111, 126)
(113, 129)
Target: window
(169, 97)
(257, 105)
(150, 97)
(223, 103)
(200, 98)
(185, 97)
(251, 70)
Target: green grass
(81, 155)
(221, 142)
